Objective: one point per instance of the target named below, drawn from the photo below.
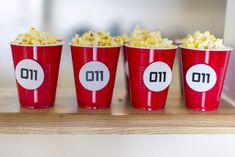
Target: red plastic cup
(36, 71)
(94, 74)
(203, 77)
(150, 76)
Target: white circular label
(94, 75)
(157, 76)
(201, 77)
(29, 74)
(127, 68)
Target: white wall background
(229, 37)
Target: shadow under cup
(150, 74)
(94, 74)
(203, 77)
(36, 72)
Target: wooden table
(121, 118)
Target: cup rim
(24, 45)
(227, 48)
(85, 46)
(149, 48)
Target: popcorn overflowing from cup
(96, 39)
(125, 38)
(35, 37)
(201, 40)
(145, 38)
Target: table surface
(121, 118)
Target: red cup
(203, 77)
(36, 71)
(150, 76)
(94, 74)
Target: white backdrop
(229, 37)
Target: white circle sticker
(29, 74)
(94, 75)
(157, 76)
(201, 77)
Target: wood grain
(121, 118)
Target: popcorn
(125, 38)
(97, 39)
(204, 40)
(145, 38)
(35, 37)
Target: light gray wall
(229, 37)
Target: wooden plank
(121, 118)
